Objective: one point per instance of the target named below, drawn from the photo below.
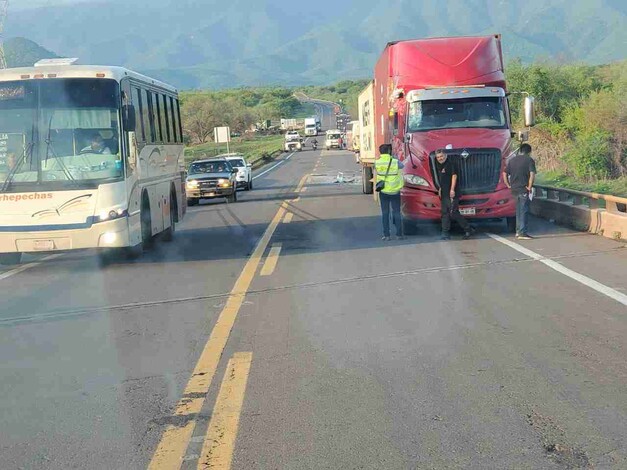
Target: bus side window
(177, 116)
(157, 105)
(175, 121)
(147, 117)
(137, 101)
(165, 113)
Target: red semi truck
(445, 93)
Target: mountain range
(211, 43)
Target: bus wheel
(168, 234)
(10, 258)
(146, 223)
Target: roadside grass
(253, 149)
(615, 187)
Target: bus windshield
(485, 112)
(59, 134)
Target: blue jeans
(522, 211)
(393, 200)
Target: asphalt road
(260, 339)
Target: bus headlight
(192, 184)
(416, 180)
(109, 237)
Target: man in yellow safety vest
(389, 185)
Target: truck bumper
(209, 193)
(417, 204)
(110, 234)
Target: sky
(26, 4)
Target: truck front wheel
(511, 224)
(410, 227)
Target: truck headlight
(192, 184)
(416, 180)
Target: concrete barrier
(582, 211)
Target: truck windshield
(209, 167)
(59, 134)
(484, 112)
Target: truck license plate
(43, 245)
(467, 211)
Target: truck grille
(479, 172)
(208, 184)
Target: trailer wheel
(367, 185)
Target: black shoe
(445, 237)
(524, 236)
(385, 238)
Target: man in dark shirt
(448, 172)
(519, 176)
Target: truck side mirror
(530, 111)
(128, 118)
(408, 138)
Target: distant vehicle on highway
(311, 126)
(333, 139)
(209, 179)
(292, 124)
(293, 141)
(97, 159)
(244, 177)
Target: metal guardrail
(610, 203)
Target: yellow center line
(271, 260)
(296, 200)
(175, 439)
(302, 182)
(219, 444)
(288, 218)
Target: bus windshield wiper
(50, 147)
(28, 149)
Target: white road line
(24, 267)
(274, 166)
(585, 280)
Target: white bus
(90, 157)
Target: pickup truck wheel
(249, 186)
(232, 197)
(10, 259)
(192, 201)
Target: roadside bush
(589, 157)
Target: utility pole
(4, 7)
